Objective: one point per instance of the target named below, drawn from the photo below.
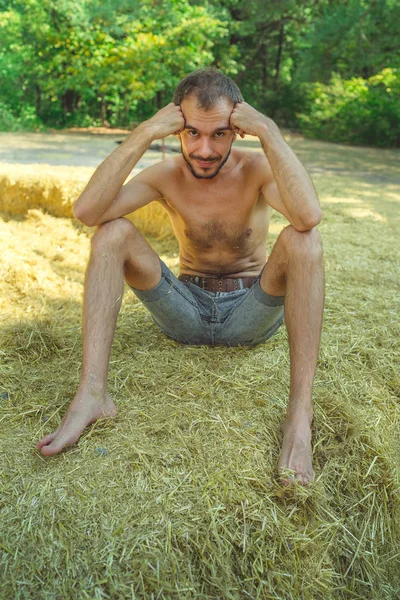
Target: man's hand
(246, 119)
(167, 121)
(95, 204)
(287, 186)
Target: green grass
(178, 497)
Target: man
(218, 199)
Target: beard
(216, 159)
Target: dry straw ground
(177, 497)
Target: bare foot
(296, 453)
(86, 408)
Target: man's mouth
(206, 164)
(209, 168)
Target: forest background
(327, 68)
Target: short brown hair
(208, 86)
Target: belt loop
(240, 282)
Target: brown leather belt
(219, 284)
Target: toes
(287, 482)
(52, 448)
(292, 481)
(286, 476)
(289, 477)
(57, 444)
(47, 439)
(304, 478)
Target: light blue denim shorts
(190, 315)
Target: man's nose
(205, 148)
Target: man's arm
(290, 189)
(104, 198)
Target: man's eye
(219, 134)
(192, 133)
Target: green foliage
(356, 38)
(357, 111)
(78, 63)
(91, 62)
(25, 119)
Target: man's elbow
(308, 222)
(82, 216)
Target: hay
(177, 497)
(55, 189)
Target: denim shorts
(190, 315)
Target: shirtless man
(218, 199)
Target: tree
(76, 62)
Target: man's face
(207, 138)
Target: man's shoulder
(160, 171)
(162, 166)
(251, 156)
(251, 160)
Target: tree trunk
(279, 56)
(68, 101)
(264, 63)
(159, 106)
(103, 110)
(38, 99)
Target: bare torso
(221, 224)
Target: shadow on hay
(199, 450)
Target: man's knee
(302, 243)
(113, 234)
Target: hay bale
(55, 189)
(152, 220)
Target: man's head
(208, 86)
(207, 98)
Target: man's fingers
(238, 131)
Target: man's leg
(118, 251)
(295, 270)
